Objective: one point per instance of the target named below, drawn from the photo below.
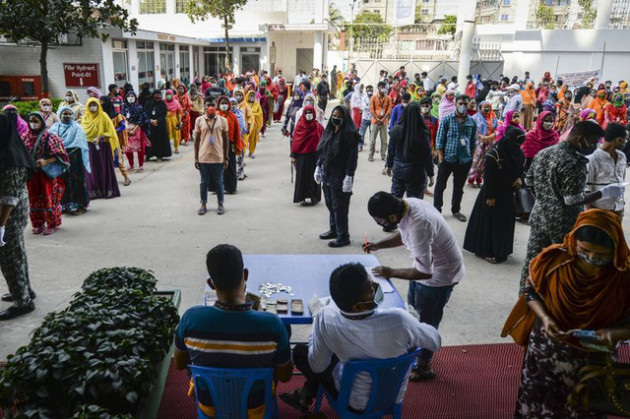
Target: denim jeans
(429, 302)
(211, 173)
(407, 178)
(365, 124)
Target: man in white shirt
(437, 259)
(515, 100)
(427, 83)
(366, 115)
(607, 165)
(453, 85)
(355, 329)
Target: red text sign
(81, 75)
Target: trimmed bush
(26, 107)
(97, 357)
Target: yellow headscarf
(623, 87)
(256, 109)
(96, 124)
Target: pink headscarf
(172, 105)
(507, 121)
(539, 138)
(22, 125)
(447, 107)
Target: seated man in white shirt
(438, 263)
(355, 329)
(607, 165)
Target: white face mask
(309, 116)
(35, 126)
(46, 108)
(461, 109)
(239, 98)
(223, 107)
(93, 108)
(547, 125)
(383, 90)
(69, 99)
(131, 99)
(425, 109)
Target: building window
(506, 2)
(167, 62)
(152, 7)
(425, 11)
(180, 6)
(146, 63)
(505, 18)
(214, 59)
(184, 64)
(119, 56)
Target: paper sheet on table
(385, 284)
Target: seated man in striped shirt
(230, 334)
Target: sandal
(127, 182)
(298, 399)
(419, 373)
(39, 230)
(202, 211)
(491, 260)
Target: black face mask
(389, 225)
(336, 121)
(588, 149)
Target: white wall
(286, 54)
(24, 60)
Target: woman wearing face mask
(565, 111)
(447, 105)
(615, 111)
(581, 283)
(356, 101)
(157, 111)
(289, 120)
(120, 124)
(76, 197)
(11, 111)
(599, 104)
(93, 92)
(542, 136)
(257, 114)
(173, 119)
(278, 107)
(487, 124)
(45, 109)
(186, 104)
(307, 133)
(337, 161)
(138, 130)
(490, 232)
(236, 144)
(44, 193)
(197, 109)
(311, 100)
(72, 100)
(103, 142)
(512, 118)
(263, 99)
(435, 105)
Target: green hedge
(24, 108)
(97, 357)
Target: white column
(318, 50)
(236, 59)
(325, 53)
(170, 7)
(132, 57)
(604, 10)
(177, 63)
(522, 15)
(134, 8)
(107, 72)
(157, 73)
(191, 63)
(466, 30)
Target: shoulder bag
(52, 170)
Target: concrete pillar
(522, 15)
(157, 74)
(178, 74)
(318, 50)
(191, 63)
(170, 7)
(465, 21)
(107, 72)
(604, 10)
(132, 57)
(236, 59)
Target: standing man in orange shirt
(381, 108)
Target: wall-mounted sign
(81, 75)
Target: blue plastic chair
(387, 379)
(229, 389)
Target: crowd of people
(561, 150)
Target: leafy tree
(368, 25)
(46, 21)
(221, 9)
(545, 17)
(449, 26)
(335, 19)
(588, 13)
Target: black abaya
(305, 185)
(160, 144)
(229, 174)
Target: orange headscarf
(573, 300)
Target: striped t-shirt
(232, 337)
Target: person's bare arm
(226, 149)
(181, 359)
(394, 240)
(197, 141)
(411, 274)
(4, 214)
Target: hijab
(22, 125)
(108, 107)
(540, 138)
(507, 121)
(135, 113)
(307, 133)
(194, 92)
(447, 106)
(184, 98)
(434, 108)
(96, 124)
(95, 91)
(72, 136)
(489, 119)
(508, 151)
(588, 113)
(573, 299)
(332, 144)
(13, 152)
(49, 144)
(173, 104)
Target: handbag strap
(39, 138)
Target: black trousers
(322, 103)
(338, 204)
(460, 174)
(314, 379)
(407, 178)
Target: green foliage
(335, 19)
(368, 25)
(449, 26)
(545, 17)
(24, 108)
(221, 9)
(588, 13)
(97, 357)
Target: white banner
(405, 12)
(578, 79)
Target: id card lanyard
(212, 129)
